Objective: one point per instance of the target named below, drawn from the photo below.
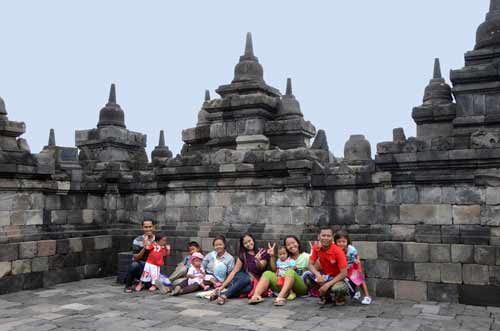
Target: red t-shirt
(156, 254)
(332, 260)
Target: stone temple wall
(424, 212)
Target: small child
(283, 264)
(157, 251)
(179, 274)
(354, 272)
(195, 277)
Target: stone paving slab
(101, 304)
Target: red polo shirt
(331, 260)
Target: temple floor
(101, 304)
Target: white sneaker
(357, 296)
(366, 301)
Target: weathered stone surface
(390, 251)
(28, 249)
(39, 264)
(367, 250)
(469, 214)
(440, 253)
(46, 247)
(402, 270)
(410, 290)
(442, 292)
(403, 232)
(376, 268)
(475, 274)
(451, 273)
(21, 267)
(462, 253)
(430, 195)
(426, 214)
(427, 272)
(9, 252)
(415, 252)
(5, 268)
(484, 255)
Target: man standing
(333, 264)
(140, 253)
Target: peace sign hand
(270, 249)
(258, 256)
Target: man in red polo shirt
(333, 263)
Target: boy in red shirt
(333, 263)
(157, 251)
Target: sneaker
(357, 296)
(366, 301)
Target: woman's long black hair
(242, 250)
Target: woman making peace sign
(293, 284)
(249, 266)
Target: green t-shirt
(302, 262)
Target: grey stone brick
(403, 232)
(469, 195)
(450, 234)
(75, 245)
(391, 196)
(428, 272)
(367, 250)
(103, 242)
(40, 264)
(385, 288)
(390, 251)
(416, 252)
(27, 249)
(366, 197)
(5, 268)
(46, 247)
(430, 195)
(475, 274)
(493, 195)
(425, 214)
(376, 268)
(345, 197)
(469, 214)
(474, 235)
(402, 270)
(410, 290)
(4, 218)
(451, 273)
(408, 195)
(484, 255)
(442, 292)
(440, 252)
(9, 252)
(21, 267)
(491, 216)
(462, 253)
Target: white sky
(357, 66)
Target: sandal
(255, 300)
(340, 302)
(152, 288)
(324, 300)
(278, 302)
(213, 296)
(221, 300)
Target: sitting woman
(293, 284)
(249, 266)
(218, 263)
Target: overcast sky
(358, 67)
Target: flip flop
(278, 302)
(256, 300)
(221, 300)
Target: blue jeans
(134, 272)
(241, 284)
